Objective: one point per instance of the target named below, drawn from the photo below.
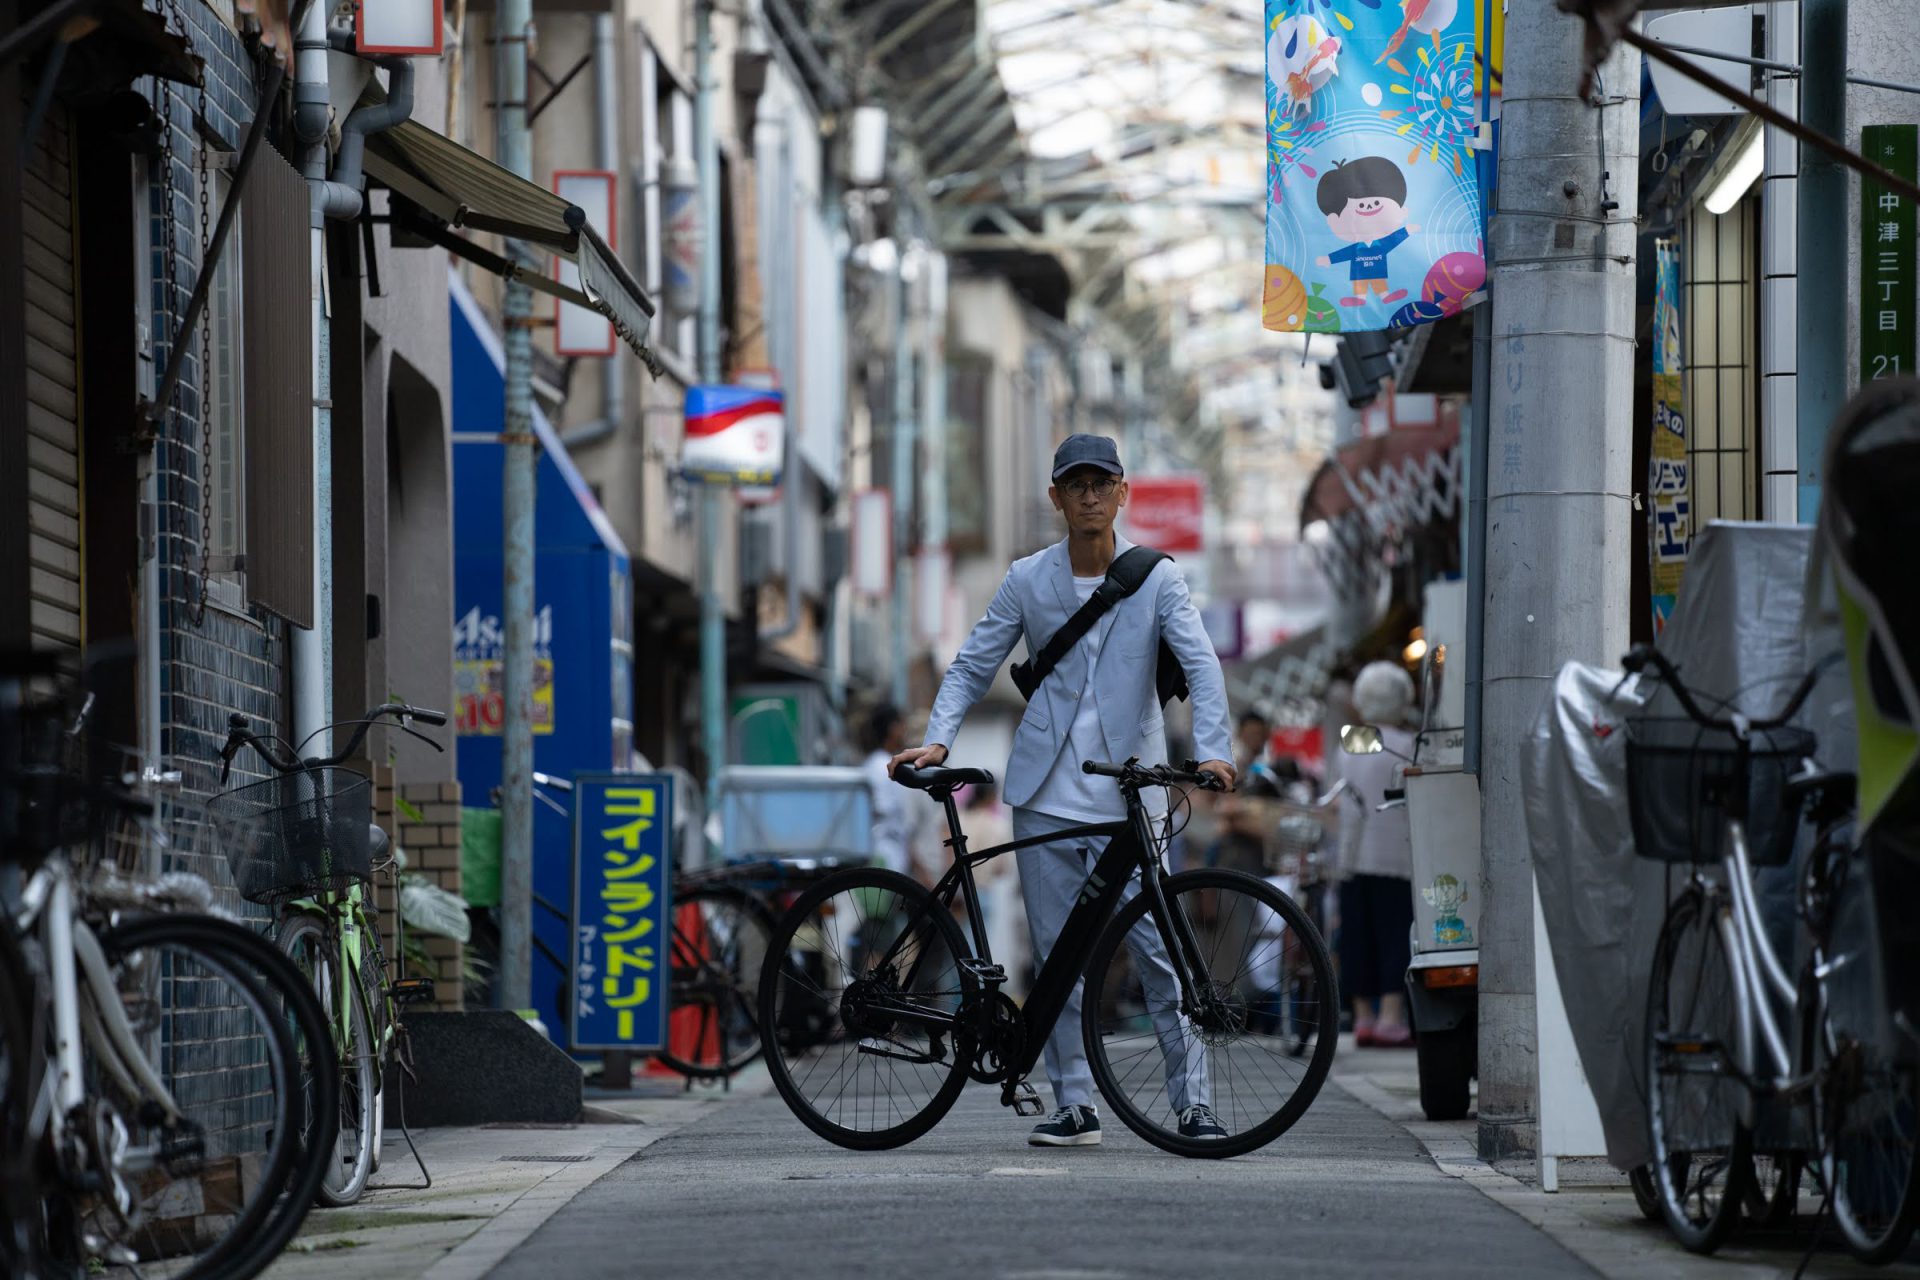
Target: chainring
(999, 1034)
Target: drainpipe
(713, 623)
(606, 109)
(790, 303)
(313, 646)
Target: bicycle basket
(1679, 776)
(297, 834)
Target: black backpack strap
(1124, 577)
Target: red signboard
(1167, 512)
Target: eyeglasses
(1100, 487)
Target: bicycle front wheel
(316, 953)
(1154, 1061)
(721, 937)
(1695, 1102)
(191, 1123)
(859, 1001)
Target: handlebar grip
(427, 717)
(1103, 770)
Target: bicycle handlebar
(1134, 774)
(284, 762)
(1640, 657)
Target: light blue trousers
(1051, 876)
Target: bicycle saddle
(938, 777)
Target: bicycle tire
(854, 895)
(1679, 1039)
(728, 995)
(305, 936)
(187, 1013)
(1875, 1176)
(318, 1089)
(19, 1083)
(1102, 993)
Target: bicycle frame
(1125, 855)
(344, 921)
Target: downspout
(606, 107)
(312, 646)
(794, 476)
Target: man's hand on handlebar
(1223, 773)
(918, 758)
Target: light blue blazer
(1035, 600)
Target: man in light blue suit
(1099, 703)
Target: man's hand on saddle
(918, 758)
(1222, 771)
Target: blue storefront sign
(622, 904)
(583, 634)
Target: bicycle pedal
(412, 991)
(1026, 1102)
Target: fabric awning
(441, 187)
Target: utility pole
(902, 470)
(1559, 480)
(713, 623)
(1821, 243)
(513, 22)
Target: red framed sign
(578, 331)
(406, 27)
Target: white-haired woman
(1376, 886)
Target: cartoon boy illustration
(1365, 203)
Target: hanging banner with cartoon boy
(1669, 516)
(1374, 214)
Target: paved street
(749, 1192)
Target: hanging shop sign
(578, 331)
(1669, 483)
(1374, 113)
(735, 435)
(1887, 267)
(412, 28)
(622, 904)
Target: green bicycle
(304, 842)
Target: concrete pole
(713, 622)
(903, 431)
(513, 24)
(1559, 479)
(1821, 235)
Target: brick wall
(432, 845)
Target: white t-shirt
(1068, 792)
(890, 821)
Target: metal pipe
(713, 636)
(348, 163)
(790, 302)
(1821, 197)
(313, 646)
(1785, 68)
(902, 453)
(513, 22)
(606, 110)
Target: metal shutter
(53, 389)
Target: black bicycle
(1170, 1018)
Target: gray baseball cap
(1083, 450)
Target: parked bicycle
(304, 842)
(915, 1011)
(1730, 1030)
(160, 1115)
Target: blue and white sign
(622, 910)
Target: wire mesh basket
(298, 834)
(1681, 775)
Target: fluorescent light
(1739, 175)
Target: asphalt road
(749, 1192)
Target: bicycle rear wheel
(1152, 1062)
(317, 1097)
(854, 951)
(1694, 1101)
(1876, 1190)
(315, 952)
(20, 1067)
(184, 1194)
(721, 937)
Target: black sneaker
(1199, 1122)
(1067, 1127)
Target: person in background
(1243, 820)
(1376, 886)
(884, 735)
